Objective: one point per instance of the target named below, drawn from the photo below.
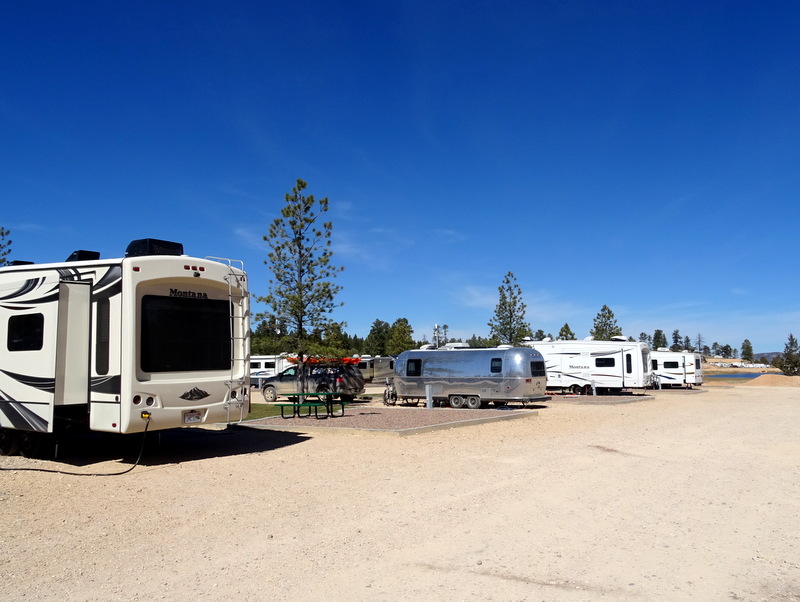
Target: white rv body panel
(121, 345)
(677, 368)
(471, 376)
(602, 366)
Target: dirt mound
(773, 380)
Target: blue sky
(640, 155)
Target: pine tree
(508, 325)
(375, 343)
(5, 246)
(659, 339)
(566, 334)
(677, 342)
(300, 292)
(605, 325)
(789, 362)
(747, 351)
(400, 338)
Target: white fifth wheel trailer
(154, 340)
(677, 368)
(471, 377)
(601, 367)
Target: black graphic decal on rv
(20, 416)
(37, 382)
(195, 394)
(98, 384)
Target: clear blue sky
(641, 155)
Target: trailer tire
(9, 442)
(269, 393)
(456, 401)
(473, 402)
(34, 445)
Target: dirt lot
(680, 495)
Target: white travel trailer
(676, 368)
(471, 377)
(601, 367)
(264, 366)
(152, 341)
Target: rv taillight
(194, 268)
(339, 380)
(136, 268)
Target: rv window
(697, 363)
(269, 365)
(182, 334)
(25, 333)
(414, 368)
(654, 363)
(670, 364)
(255, 365)
(628, 363)
(102, 329)
(497, 365)
(604, 362)
(538, 369)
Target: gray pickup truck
(345, 380)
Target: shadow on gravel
(170, 446)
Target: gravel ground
(678, 496)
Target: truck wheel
(270, 394)
(473, 402)
(456, 401)
(9, 442)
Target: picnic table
(296, 404)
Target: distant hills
(770, 356)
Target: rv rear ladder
(236, 297)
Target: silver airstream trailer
(471, 377)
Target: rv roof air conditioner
(152, 246)
(589, 338)
(619, 337)
(84, 256)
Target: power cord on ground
(92, 474)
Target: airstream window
(414, 368)
(670, 364)
(497, 365)
(25, 333)
(604, 362)
(538, 369)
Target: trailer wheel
(587, 389)
(270, 395)
(576, 389)
(9, 442)
(473, 402)
(33, 445)
(456, 401)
